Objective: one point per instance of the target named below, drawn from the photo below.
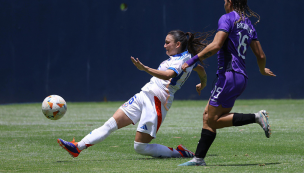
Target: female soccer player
(149, 107)
(234, 35)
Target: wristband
(193, 60)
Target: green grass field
(28, 140)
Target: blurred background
(80, 49)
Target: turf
(28, 140)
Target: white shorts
(146, 109)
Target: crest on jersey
(125, 104)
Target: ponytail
(198, 41)
(194, 42)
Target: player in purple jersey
(234, 36)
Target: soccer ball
(54, 107)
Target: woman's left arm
(261, 58)
(203, 78)
(165, 75)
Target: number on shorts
(216, 90)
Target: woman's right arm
(261, 58)
(165, 75)
(211, 49)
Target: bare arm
(165, 75)
(212, 48)
(261, 58)
(203, 78)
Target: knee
(206, 111)
(205, 117)
(209, 121)
(212, 123)
(140, 148)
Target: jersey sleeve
(255, 35)
(176, 66)
(224, 24)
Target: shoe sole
(61, 145)
(266, 123)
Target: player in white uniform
(149, 107)
(157, 96)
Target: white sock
(98, 134)
(155, 150)
(257, 117)
(198, 159)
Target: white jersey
(165, 89)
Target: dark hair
(194, 42)
(241, 7)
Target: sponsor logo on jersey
(144, 127)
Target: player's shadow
(154, 158)
(64, 161)
(150, 158)
(253, 164)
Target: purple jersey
(231, 57)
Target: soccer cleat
(194, 162)
(264, 123)
(71, 147)
(184, 152)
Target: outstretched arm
(211, 49)
(165, 75)
(261, 58)
(203, 78)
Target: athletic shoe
(263, 121)
(71, 147)
(194, 162)
(184, 152)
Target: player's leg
(227, 89)
(237, 83)
(228, 119)
(128, 113)
(240, 119)
(119, 120)
(208, 134)
(212, 113)
(153, 114)
(142, 146)
(206, 140)
(218, 117)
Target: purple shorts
(229, 86)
